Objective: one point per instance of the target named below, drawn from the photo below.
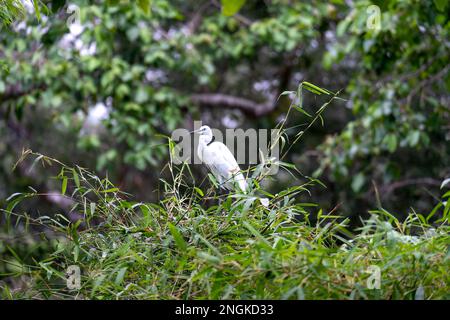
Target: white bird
(220, 161)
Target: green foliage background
(148, 63)
(158, 65)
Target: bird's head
(204, 131)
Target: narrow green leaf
(36, 9)
(13, 195)
(120, 276)
(76, 178)
(257, 234)
(110, 190)
(213, 180)
(208, 257)
(199, 191)
(177, 237)
(315, 89)
(284, 93)
(92, 208)
(64, 186)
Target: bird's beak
(198, 130)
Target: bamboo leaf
(177, 237)
(315, 89)
(64, 186)
(76, 178)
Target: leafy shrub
(197, 244)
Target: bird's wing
(227, 166)
(225, 160)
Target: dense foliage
(144, 70)
(101, 84)
(241, 248)
(399, 96)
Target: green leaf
(285, 93)
(76, 178)
(300, 109)
(120, 275)
(447, 207)
(13, 195)
(76, 253)
(231, 7)
(199, 191)
(92, 206)
(177, 237)
(213, 180)
(257, 234)
(208, 257)
(391, 141)
(441, 4)
(435, 209)
(315, 89)
(110, 190)
(413, 138)
(36, 9)
(64, 186)
(14, 203)
(358, 182)
(145, 6)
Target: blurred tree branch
(16, 91)
(222, 100)
(427, 82)
(387, 190)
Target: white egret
(220, 161)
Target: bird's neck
(204, 140)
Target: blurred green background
(94, 83)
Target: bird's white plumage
(220, 161)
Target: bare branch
(387, 190)
(222, 100)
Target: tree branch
(17, 91)
(427, 82)
(196, 20)
(387, 190)
(222, 100)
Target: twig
(426, 82)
